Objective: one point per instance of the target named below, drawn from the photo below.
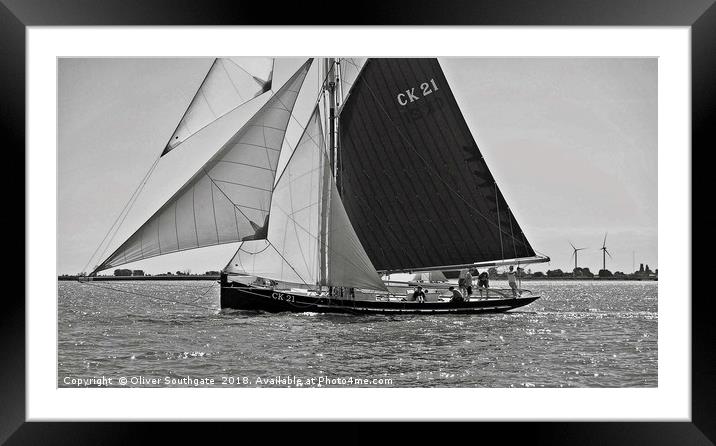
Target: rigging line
(512, 233)
(242, 185)
(149, 296)
(244, 164)
(213, 284)
(540, 253)
(125, 208)
(497, 202)
(293, 212)
(431, 172)
(286, 261)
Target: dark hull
(263, 299)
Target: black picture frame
(700, 16)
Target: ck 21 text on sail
(424, 90)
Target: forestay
(230, 82)
(228, 199)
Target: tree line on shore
(123, 272)
(643, 273)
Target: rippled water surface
(579, 334)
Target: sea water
(579, 334)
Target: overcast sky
(572, 143)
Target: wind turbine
(574, 254)
(605, 252)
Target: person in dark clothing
(456, 295)
(483, 281)
(419, 295)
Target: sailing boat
(386, 178)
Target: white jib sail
(230, 82)
(228, 199)
(348, 263)
(292, 251)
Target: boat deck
(276, 298)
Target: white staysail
(292, 251)
(230, 82)
(348, 263)
(228, 199)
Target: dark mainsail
(412, 179)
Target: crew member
(419, 295)
(512, 281)
(456, 295)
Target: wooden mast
(329, 74)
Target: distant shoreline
(157, 277)
(216, 277)
(642, 279)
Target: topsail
(230, 82)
